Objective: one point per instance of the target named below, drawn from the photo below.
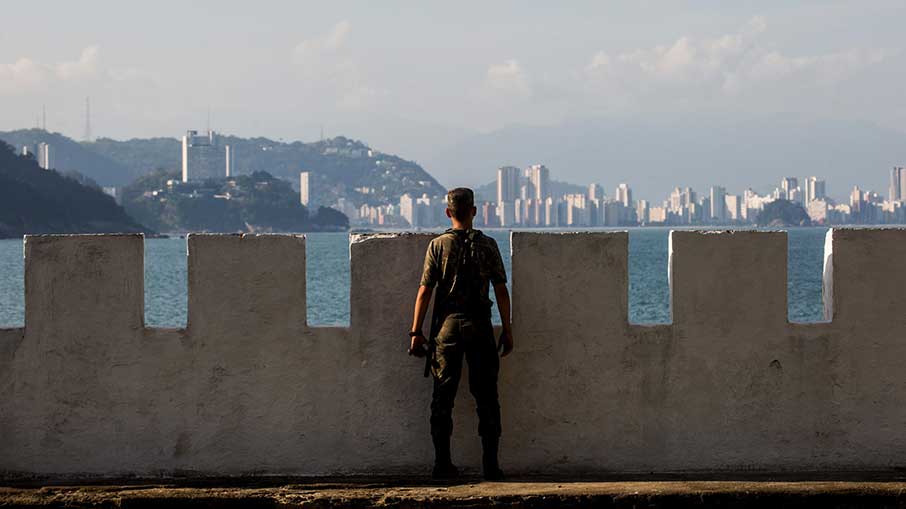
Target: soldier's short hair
(460, 202)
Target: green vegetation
(783, 213)
(37, 201)
(247, 203)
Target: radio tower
(44, 117)
(87, 119)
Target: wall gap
(12, 284)
(649, 287)
(166, 282)
(328, 282)
(805, 274)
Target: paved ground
(814, 490)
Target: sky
(417, 78)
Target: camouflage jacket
(462, 285)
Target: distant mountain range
(37, 201)
(693, 150)
(341, 168)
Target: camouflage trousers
(463, 335)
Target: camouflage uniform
(462, 264)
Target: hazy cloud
(332, 41)
(508, 78)
(697, 68)
(27, 75)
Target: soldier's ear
(474, 211)
(449, 213)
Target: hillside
(247, 203)
(70, 155)
(780, 213)
(37, 201)
(342, 168)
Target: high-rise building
(718, 204)
(897, 189)
(733, 204)
(595, 192)
(506, 213)
(507, 183)
(855, 199)
(305, 189)
(201, 160)
(540, 178)
(642, 209)
(45, 156)
(230, 154)
(550, 212)
(787, 185)
(624, 195)
(814, 190)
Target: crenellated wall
(249, 388)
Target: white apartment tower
(814, 190)
(624, 195)
(45, 156)
(540, 178)
(201, 160)
(305, 188)
(733, 206)
(718, 203)
(897, 190)
(788, 185)
(230, 154)
(507, 183)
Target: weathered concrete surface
(249, 388)
(526, 494)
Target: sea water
(328, 278)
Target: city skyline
(524, 196)
(521, 202)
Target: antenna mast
(87, 119)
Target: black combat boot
(443, 465)
(490, 467)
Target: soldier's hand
(417, 346)
(506, 342)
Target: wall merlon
(385, 270)
(246, 283)
(867, 283)
(575, 279)
(731, 282)
(77, 285)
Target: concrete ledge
(365, 492)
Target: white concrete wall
(249, 388)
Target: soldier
(461, 264)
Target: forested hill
(341, 167)
(70, 155)
(37, 201)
